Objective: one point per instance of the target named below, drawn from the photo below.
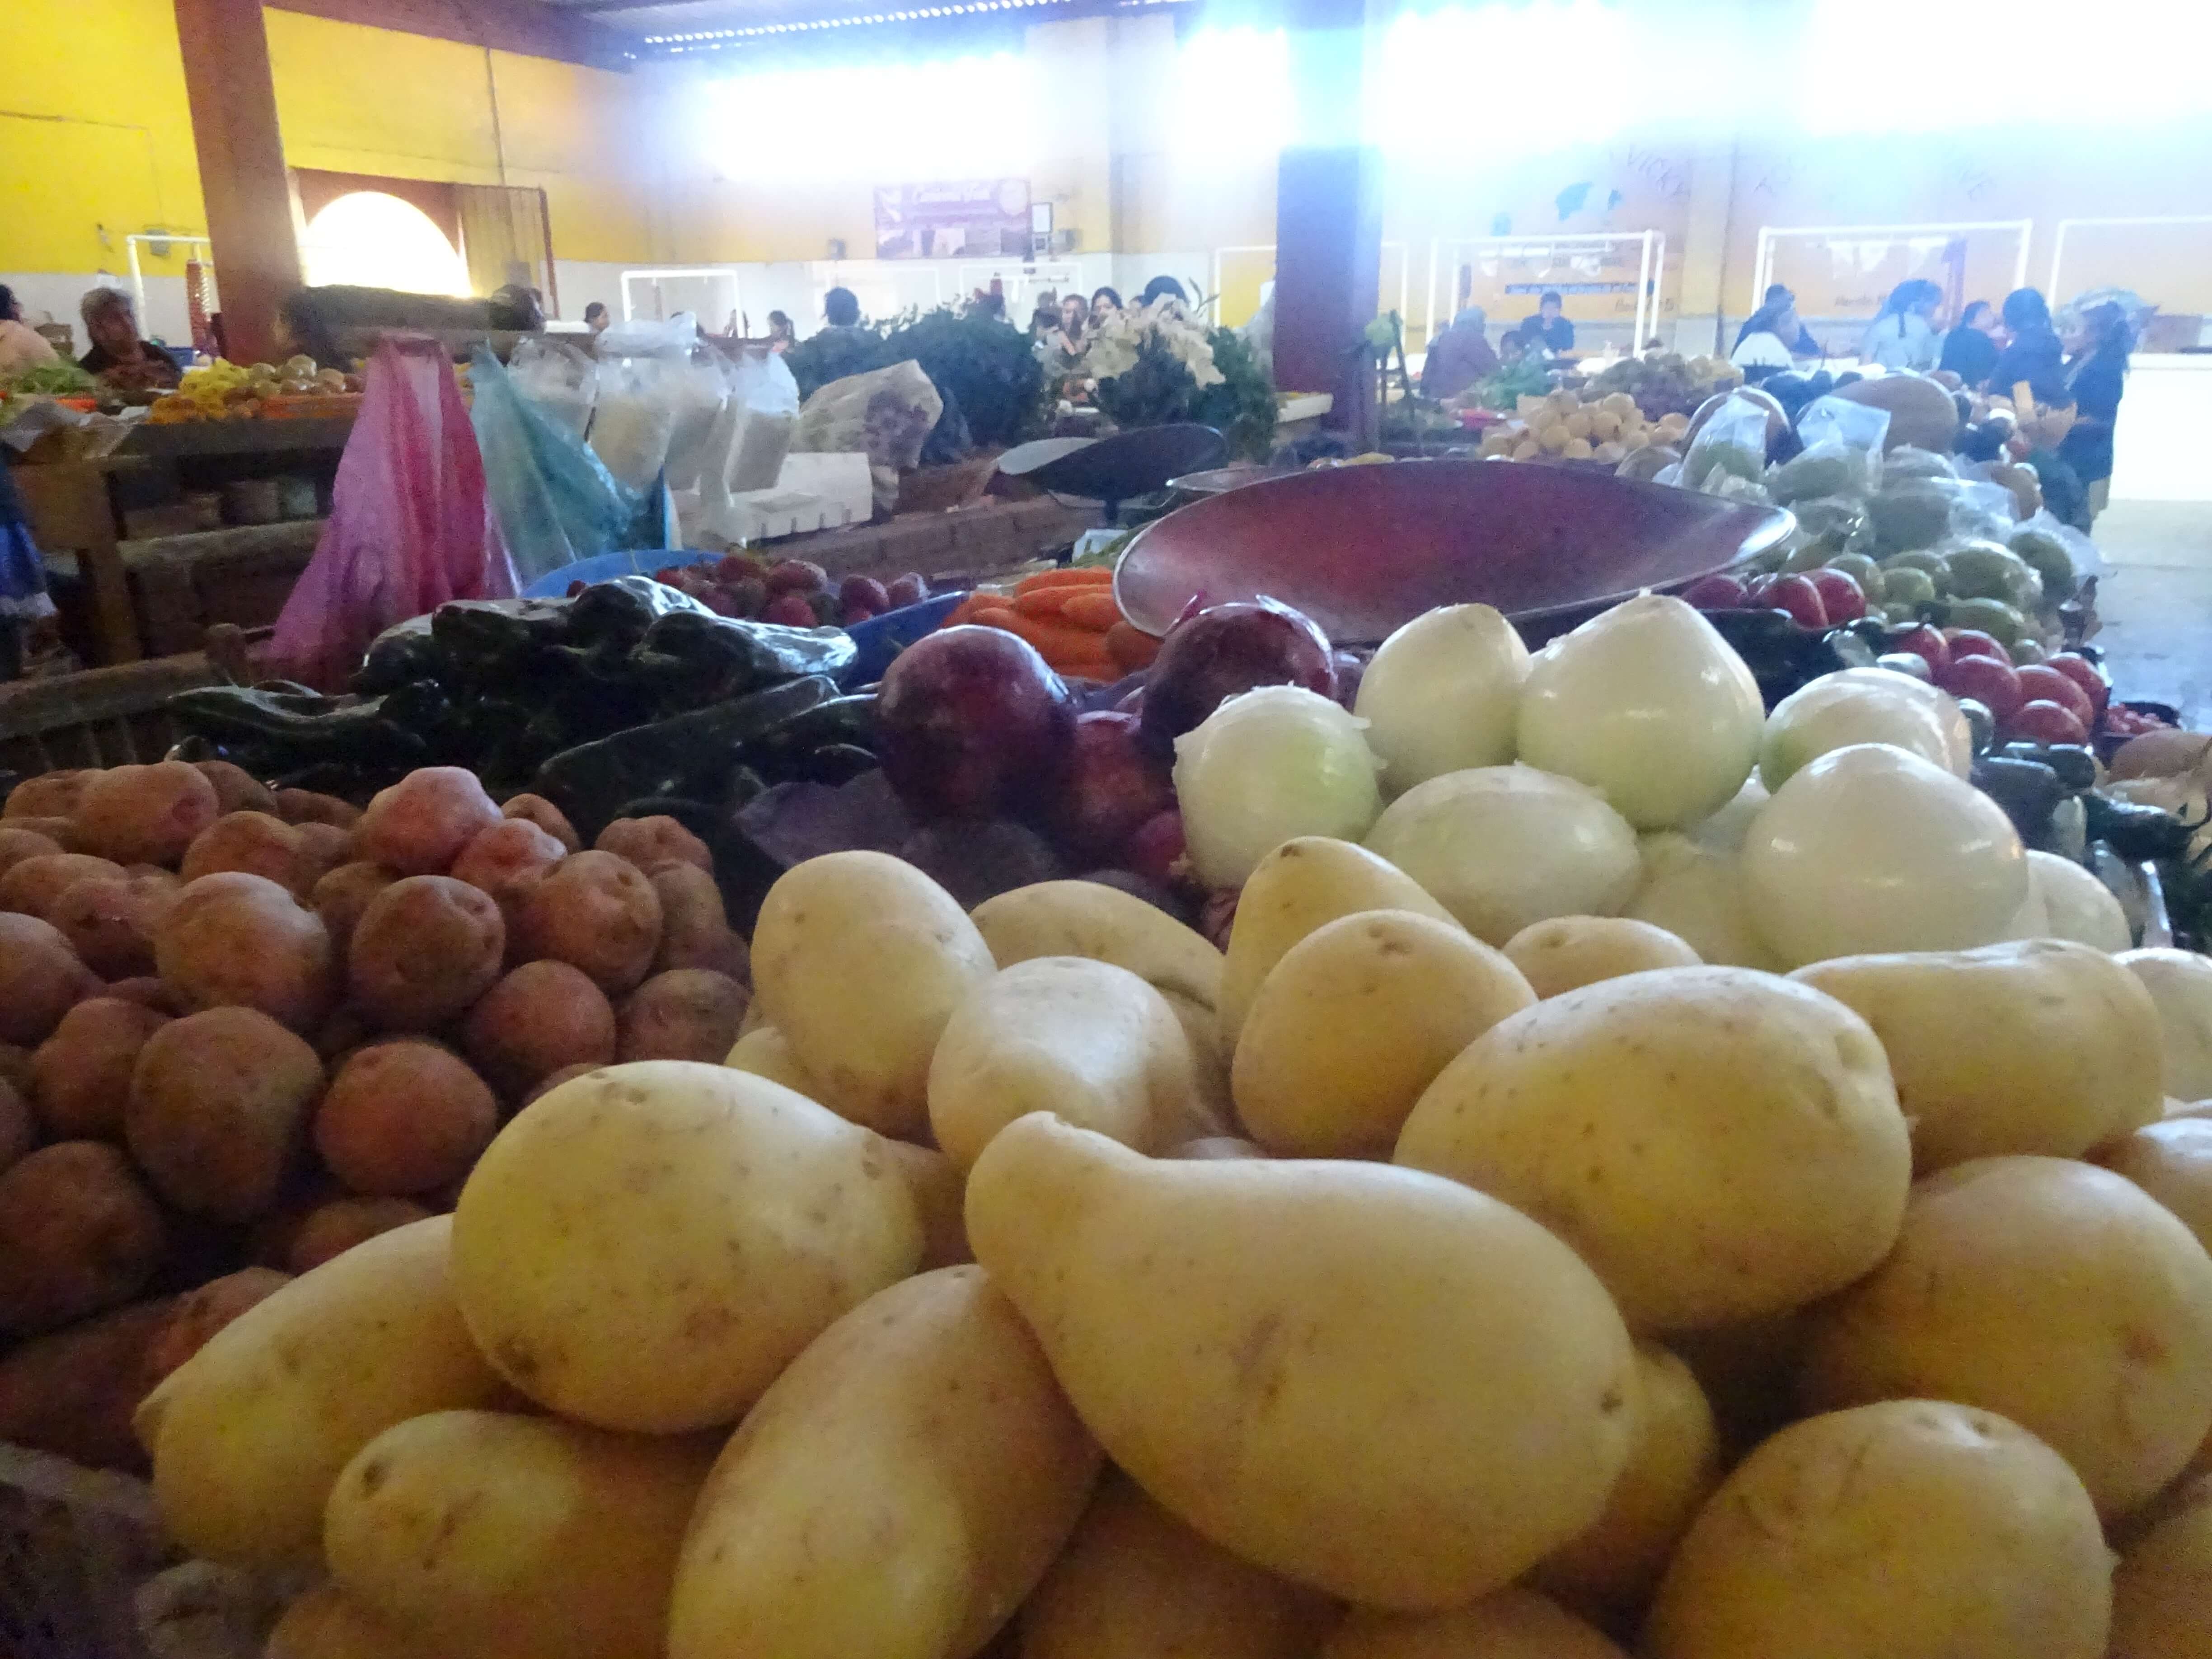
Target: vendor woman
(118, 357)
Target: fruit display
(224, 391)
(1664, 383)
(1070, 614)
(793, 593)
(244, 1032)
(1560, 426)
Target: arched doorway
(376, 241)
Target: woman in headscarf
(1459, 356)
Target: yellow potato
(763, 1052)
(859, 959)
(1580, 424)
(1355, 1021)
(1912, 1530)
(1134, 1582)
(249, 1434)
(2171, 1160)
(2162, 1590)
(2040, 1045)
(2052, 1291)
(1514, 1624)
(1084, 1039)
(1716, 1143)
(1565, 953)
(1674, 1461)
(1527, 450)
(1279, 1353)
(894, 1495)
(493, 1533)
(647, 1246)
(1578, 449)
(1555, 439)
(2180, 986)
(1295, 889)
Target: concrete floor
(2155, 602)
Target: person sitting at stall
(21, 346)
(1164, 288)
(1104, 304)
(1969, 351)
(1549, 328)
(118, 358)
(2097, 376)
(1073, 315)
(1903, 332)
(781, 335)
(2034, 353)
(1459, 356)
(1766, 342)
(596, 317)
(1778, 315)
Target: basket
(74, 1546)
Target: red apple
(1795, 595)
(1994, 684)
(1973, 642)
(2043, 721)
(2085, 674)
(2041, 682)
(1843, 599)
(1719, 592)
(1927, 644)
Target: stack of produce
(240, 1031)
(1665, 383)
(795, 592)
(1590, 1201)
(1561, 426)
(1070, 614)
(224, 391)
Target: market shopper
(1164, 288)
(1104, 304)
(2097, 376)
(2034, 354)
(118, 357)
(1903, 332)
(1073, 315)
(781, 335)
(1969, 351)
(21, 346)
(1778, 315)
(1459, 356)
(1549, 328)
(596, 317)
(840, 308)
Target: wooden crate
(102, 717)
(186, 585)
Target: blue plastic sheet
(553, 500)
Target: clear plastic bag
(764, 399)
(407, 530)
(1842, 455)
(885, 414)
(553, 500)
(1732, 443)
(561, 381)
(646, 383)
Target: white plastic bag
(559, 381)
(765, 400)
(886, 413)
(644, 369)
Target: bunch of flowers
(1159, 334)
(1155, 364)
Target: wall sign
(961, 218)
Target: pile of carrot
(1071, 617)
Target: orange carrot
(1130, 647)
(996, 616)
(1045, 602)
(1096, 609)
(1064, 576)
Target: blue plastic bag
(552, 500)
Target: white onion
(1695, 892)
(1441, 694)
(1648, 705)
(2077, 905)
(1500, 847)
(1265, 765)
(1725, 832)
(1864, 705)
(2180, 986)
(1870, 848)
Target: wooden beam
(523, 27)
(242, 179)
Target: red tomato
(1843, 599)
(1993, 684)
(1927, 644)
(1719, 591)
(1795, 595)
(1973, 642)
(2041, 721)
(2085, 674)
(2041, 682)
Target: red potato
(32, 885)
(260, 843)
(425, 948)
(508, 859)
(40, 979)
(651, 842)
(598, 912)
(323, 848)
(78, 1233)
(236, 789)
(421, 824)
(687, 1014)
(148, 991)
(536, 809)
(110, 922)
(306, 806)
(16, 845)
(16, 1070)
(19, 1127)
(145, 814)
(345, 1030)
(49, 795)
(234, 939)
(82, 1073)
(198, 1315)
(542, 1018)
(402, 1117)
(60, 831)
(343, 1223)
(695, 929)
(552, 1080)
(219, 1107)
(72, 1393)
(342, 894)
